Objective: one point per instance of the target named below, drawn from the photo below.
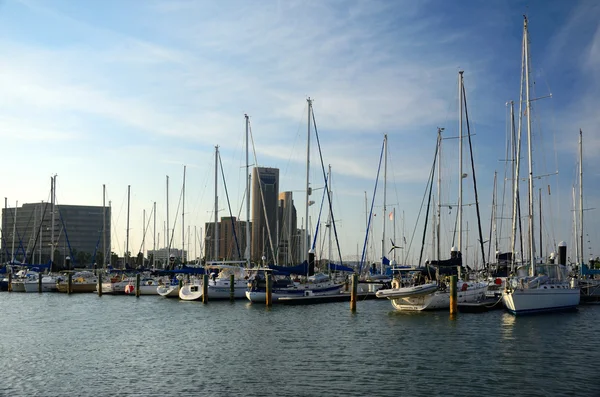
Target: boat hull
(548, 298)
(423, 289)
(260, 295)
(471, 293)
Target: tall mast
(127, 230)
(104, 226)
(14, 233)
(576, 229)
(110, 248)
(143, 235)
(330, 221)
(439, 190)
(52, 220)
(247, 250)
(529, 149)
(183, 220)
(41, 231)
(308, 191)
(167, 242)
(516, 151)
(154, 237)
(384, 201)
(460, 160)
(216, 228)
(581, 194)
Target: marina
(154, 346)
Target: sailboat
(417, 289)
(316, 285)
(590, 287)
(546, 288)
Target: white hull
(219, 290)
(114, 288)
(298, 291)
(47, 286)
(168, 291)
(190, 292)
(545, 298)
(472, 293)
(18, 286)
(417, 290)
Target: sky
(126, 93)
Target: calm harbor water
(85, 345)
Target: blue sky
(125, 93)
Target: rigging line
(474, 178)
(262, 197)
(327, 187)
(146, 227)
(39, 232)
(237, 244)
(430, 187)
(431, 175)
(365, 245)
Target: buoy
(465, 286)
(129, 289)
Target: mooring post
(10, 282)
(453, 300)
(269, 296)
(354, 292)
(99, 284)
(70, 283)
(39, 283)
(231, 287)
(205, 288)
(137, 285)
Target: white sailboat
(315, 285)
(546, 288)
(420, 291)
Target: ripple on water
(57, 345)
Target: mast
(439, 190)
(183, 220)
(308, 190)
(52, 220)
(460, 160)
(330, 220)
(104, 226)
(12, 261)
(216, 228)
(384, 202)
(167, 242)
(110, 249)
(529, 149)
(247, 250)
(154, 237)
(581, 196)
(575, 228)
(143, 235)
(127, 230)
(41, 231)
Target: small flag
(391, 216)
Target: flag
(391, 216)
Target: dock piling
(231, 287)
(10, 282)
(453, 300)
(354, 292)
(269, 296)
(205, 288)
(39, 283)
(70, 283)
(137, 285)
(99, 284)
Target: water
(84, 345)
